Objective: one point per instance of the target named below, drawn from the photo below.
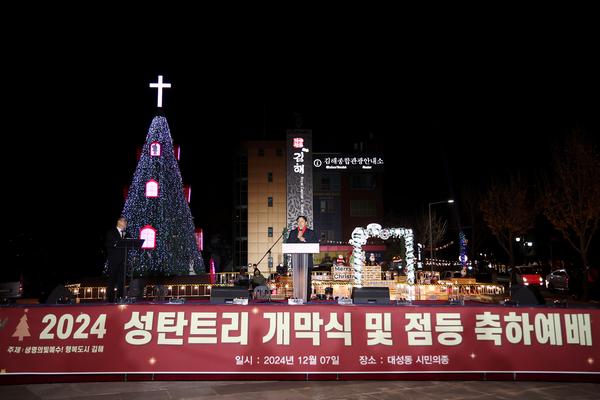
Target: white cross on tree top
(160, 86)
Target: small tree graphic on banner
(22, 329)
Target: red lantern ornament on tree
(148, 234)
(155, 149)
(151, 188)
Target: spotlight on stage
(344, 301)
(456, 302)
(560, 303)
(126, 300)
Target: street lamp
(431, 232)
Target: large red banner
(272, 338)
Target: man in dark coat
(303, 234)
(115, 260)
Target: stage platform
(281, 288)
(318, 340)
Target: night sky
(72, 127)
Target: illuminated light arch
(359, 239)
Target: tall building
(240, 208)
(327, 204)
(346, 196)
(260, 202)
(361, 200)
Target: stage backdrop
(292, 339)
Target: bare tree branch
(439, 228)
(571, 197)
(470, 201)
(508, 212)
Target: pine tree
(22, 329)
(168, 213)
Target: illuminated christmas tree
(157, 211)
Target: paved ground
(330, 390)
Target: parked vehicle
(558, 280)
(448, 275)
(503, 278)
(11, 290)
(528, 276)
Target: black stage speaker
(60, 295)
(371, 295)
(225, 295)
(526, 295)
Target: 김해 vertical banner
(299, 175)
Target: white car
(558, 280)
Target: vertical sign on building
(299, 175)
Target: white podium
(300, 252)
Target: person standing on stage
(304, 235)
(115, 260)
